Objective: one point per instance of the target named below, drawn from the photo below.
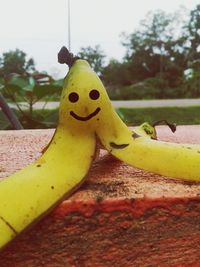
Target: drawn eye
(73, 97)
(94, 94)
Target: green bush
(151, 88)
(27, 89)
(137, 91)
(40, 119)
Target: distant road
(130, 103)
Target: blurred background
(147, 54)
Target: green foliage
(153, 49)
(157, 55)
(192, 85)
(29, 90)
(151, 88)
(135, 91)
(15, 62)
(117, 73)
(194, 34)
(41, 119)
(95, 56)
(20, 82)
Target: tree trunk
(10, 114)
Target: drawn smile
(91, 115)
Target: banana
(31, 192)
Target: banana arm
(33, 191)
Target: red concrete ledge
(121, 216)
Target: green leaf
(18, 81)
(2, 81)
(59, 82)
(12, 88)
(31, 81)
(41, 91)
(51, 119)
(28, 88)
(30, 85)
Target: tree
(95, 56)
(194, 37)
(117, 73)
(15, 62)
(157, 47)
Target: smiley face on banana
(81, 103)
(85, 103)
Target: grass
(134, 116)
(178, 115)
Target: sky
(40, 27)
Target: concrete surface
(121, 216)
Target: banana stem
(172, 126)
(65, 57)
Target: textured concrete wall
(121, 216)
